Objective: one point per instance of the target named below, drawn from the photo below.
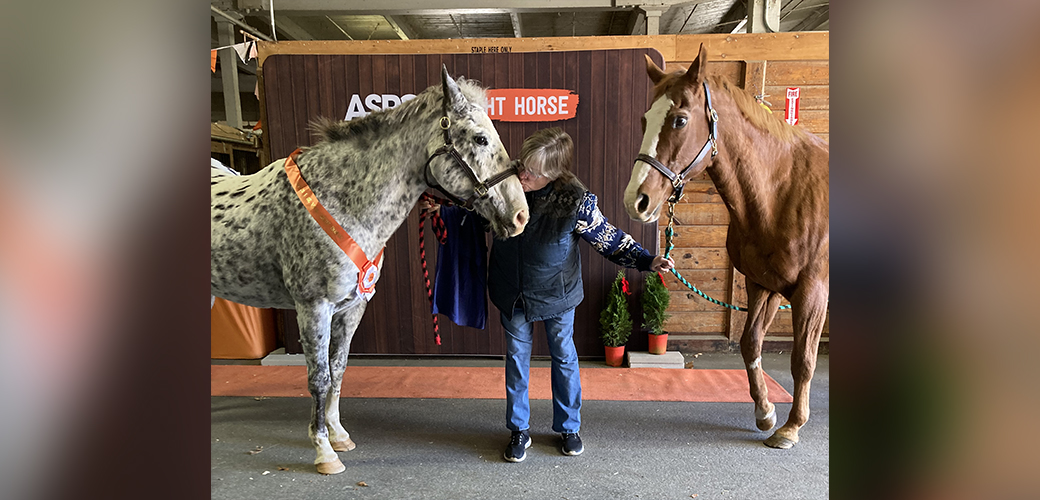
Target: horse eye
(642, 122)
(680, 122)
(481, 140)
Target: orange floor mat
(610, 384)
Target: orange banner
(531, 105)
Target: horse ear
(655, 73)
(453, 97)
(698, 68)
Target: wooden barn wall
(763, 63)
(613, 93)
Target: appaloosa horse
(268, 250)
(773, 178)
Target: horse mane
(756, 114)
(328, 129)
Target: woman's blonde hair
(552, 151)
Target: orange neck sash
(368, 270)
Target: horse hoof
(780, 442)
(767, 422)
(334, 467)
(345, 445)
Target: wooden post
(229, 73)
(763, 16)
(755, 77)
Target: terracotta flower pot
(615, 355)
(658, 343)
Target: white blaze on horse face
(654, 124)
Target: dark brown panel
(613, 91)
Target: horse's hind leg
(344, 323)
(809, 307)
(762, 306)
(315, 321)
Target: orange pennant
(213, 61)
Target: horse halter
(679, 180)
(480, 189)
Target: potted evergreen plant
(615, 321)
(655, 301)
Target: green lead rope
(668, 234)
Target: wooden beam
(636, 22)
(814, 20)
(664, 44)
(404, 29)
(410, 7)
(289, 27)
(518, 28)
(229, 73)
(736, 13)
(653, 22)
(725, 47)
(792, 46)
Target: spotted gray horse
(268, 251)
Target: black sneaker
(519, 442)
(572, 444)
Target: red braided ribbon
(441, 232)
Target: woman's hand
(425, 204)
(661, 264)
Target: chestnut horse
(774, 179)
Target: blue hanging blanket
(460, 285)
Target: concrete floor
(452, 449)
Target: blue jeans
(566, 381)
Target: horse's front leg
(809, 310)
(762, 306)
(344, 323)
(315, 321)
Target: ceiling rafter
(518, 28)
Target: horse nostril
(521, 218)
(642, 203)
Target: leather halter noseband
(480, 189)
(679, 180)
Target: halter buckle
(677, 191)
(445, 122)
(713, 115)
(481, 190)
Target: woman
(536, 276)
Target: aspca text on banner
(531, 105)
(374, 102)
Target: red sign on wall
(531, 105)
(791, 113)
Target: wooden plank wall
(762, 62)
